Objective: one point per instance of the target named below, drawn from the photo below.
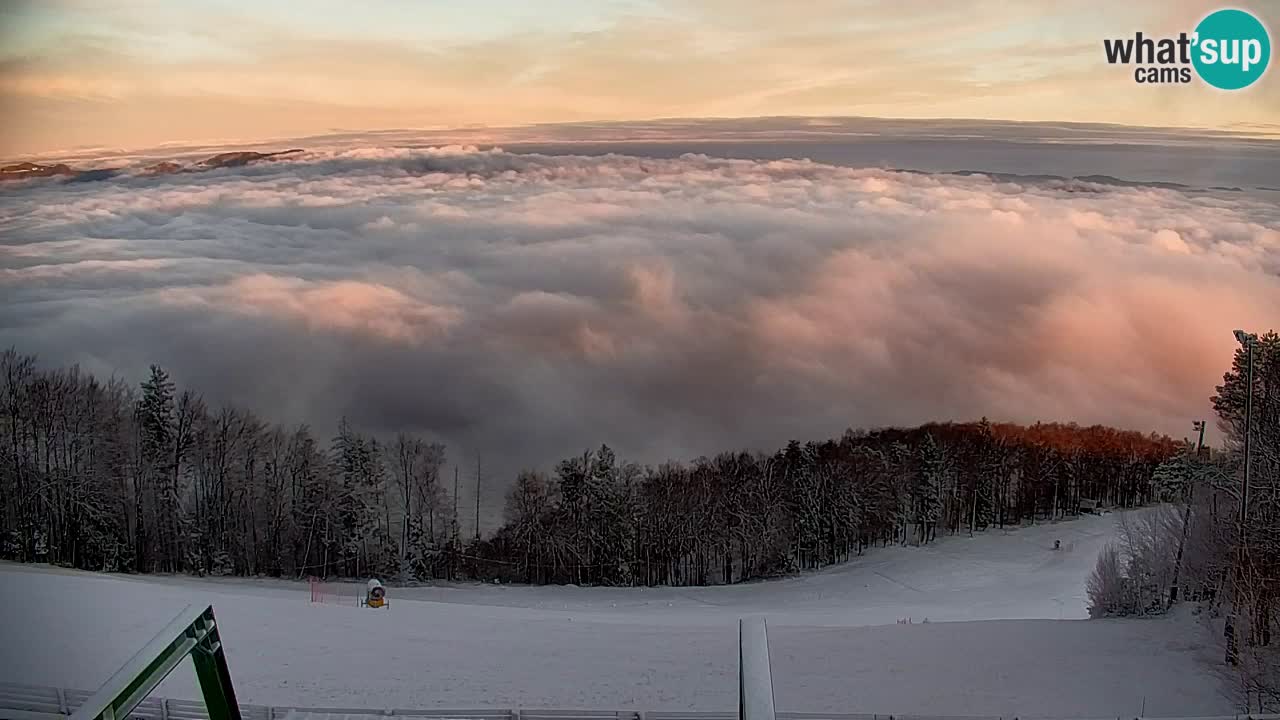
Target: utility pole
(1186, 514)
(477, 496)
(973, 517)
(1055, 497)
(453, 569)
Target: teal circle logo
(1232, 49)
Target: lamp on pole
(1186, 513)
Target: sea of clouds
(526, 306)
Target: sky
(137, 73)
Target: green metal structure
(190, 633)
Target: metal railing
(195, 634)
(35, 702)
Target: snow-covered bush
(1133, 576)
(1107, 587)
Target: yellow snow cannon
(375, 595)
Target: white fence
(34, 702)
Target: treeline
(99, 474)
(1221, 546)
(738, 516)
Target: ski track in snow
(1005, 637)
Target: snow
(1005, 636)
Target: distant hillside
(240, 158)
(30, 170)
(237, 158)
(163, 168)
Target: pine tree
(928, 490)
(990, 466)
(155, 411)
(155, 416)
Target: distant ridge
(30, 170)
(239, 158)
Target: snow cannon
(375, 595)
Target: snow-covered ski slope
(993, 643)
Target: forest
(99, 474)
(1218, 542)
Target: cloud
(525, 306)
(35, 273)
(363, 308)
